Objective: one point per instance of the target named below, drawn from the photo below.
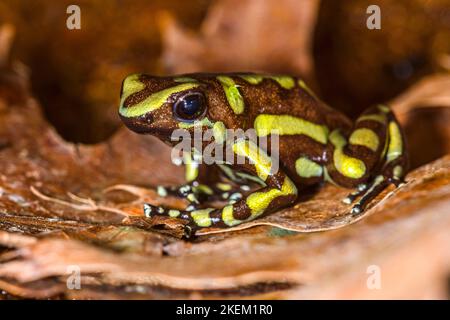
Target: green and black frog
(316, 142)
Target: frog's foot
(228, 192)
(197, 193)
(189, 229)
(390, 175)
(186, 191)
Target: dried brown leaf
(244, 35)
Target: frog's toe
(194, 193)
(391, 174)
(151, 210)
(370, 192)
(356, 209)
(350, 198)
(189, 230)
(397, 182)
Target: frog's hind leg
(276, 195)
(373, 157)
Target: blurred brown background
(76, 74)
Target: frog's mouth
(134, 124)
(146, 126)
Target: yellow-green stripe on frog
(201, 217)
(379, 117)
(284, 81)
(365, 137)
(228, 217)
(154, 101)
(184, 79)
(205, 122)
(223, 186)
(219, 132)
(130, 85)
(395, 148)
(252, 79)
(309, 143)
(191, 167)
(259, 201)
(266, 124)
(307, 168)
(348, 166)
(257, 156)
(174, 213)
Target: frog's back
(284, 104)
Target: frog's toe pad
(350, 198)
(375, 188)
(356, 209)
(151, 210)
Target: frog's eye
(190, 107)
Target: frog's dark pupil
(190, 105)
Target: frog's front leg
(198, 191)
(190, 190)
(279, 192)
(373, 156)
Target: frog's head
(160, 105)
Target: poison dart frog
(316, 143)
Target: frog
(317, 144)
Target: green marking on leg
(365, 137)
(223, 186)
(379, 117)
(201, 217)
(228, 217)
(346, 165)
(306, 168)
(384, 108)
(191, 167)
(398, 172)
(203, 188)
(174, 213)
(259, 201)
(395, 148)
